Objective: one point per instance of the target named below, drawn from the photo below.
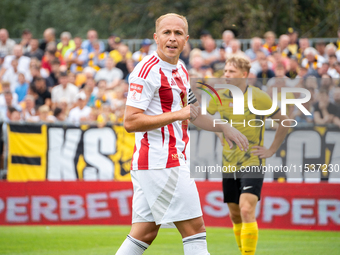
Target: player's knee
(235, 218)
(151, 236)
(247, 212)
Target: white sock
(132, 246)
(196, 244)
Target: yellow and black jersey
(271, 49)
(261, 101)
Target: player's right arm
(136, 121)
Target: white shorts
(164, 196)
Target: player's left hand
(194, 112)
(262, 152)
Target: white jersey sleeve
(141, 91)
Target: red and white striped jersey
(156, 87)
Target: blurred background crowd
(62, 78)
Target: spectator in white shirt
(6, 44)
(210, 53)
(110, 73)
(12, 74)
(235, 49)
(64, 91)
(227, 37)
(23, 61)
(82, 111)
(8, 103)
(29, 108)
(6, 87)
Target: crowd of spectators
(286, 61)
(75, 80)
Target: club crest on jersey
(230, 104)
(135, 92)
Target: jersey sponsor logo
(135, 92)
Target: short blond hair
(269, 34)
(240, 63)
(173, 14)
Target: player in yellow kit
(242, 188)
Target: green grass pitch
(97, 240)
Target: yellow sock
(237, 231)
(249, 236)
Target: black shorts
(234, 184)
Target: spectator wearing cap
(77, 57)
(92, 37)
(6, 44)
(144, 51)
(23, 61)
(26, 38)
(34, 50)
(205, 34)
(227, 37)
(66, 43)
(256, 45)
(112, 42)
(269, 44)
(81, 112)
(64, 91)
(49, 36)
(96, 58)
(293, 40)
